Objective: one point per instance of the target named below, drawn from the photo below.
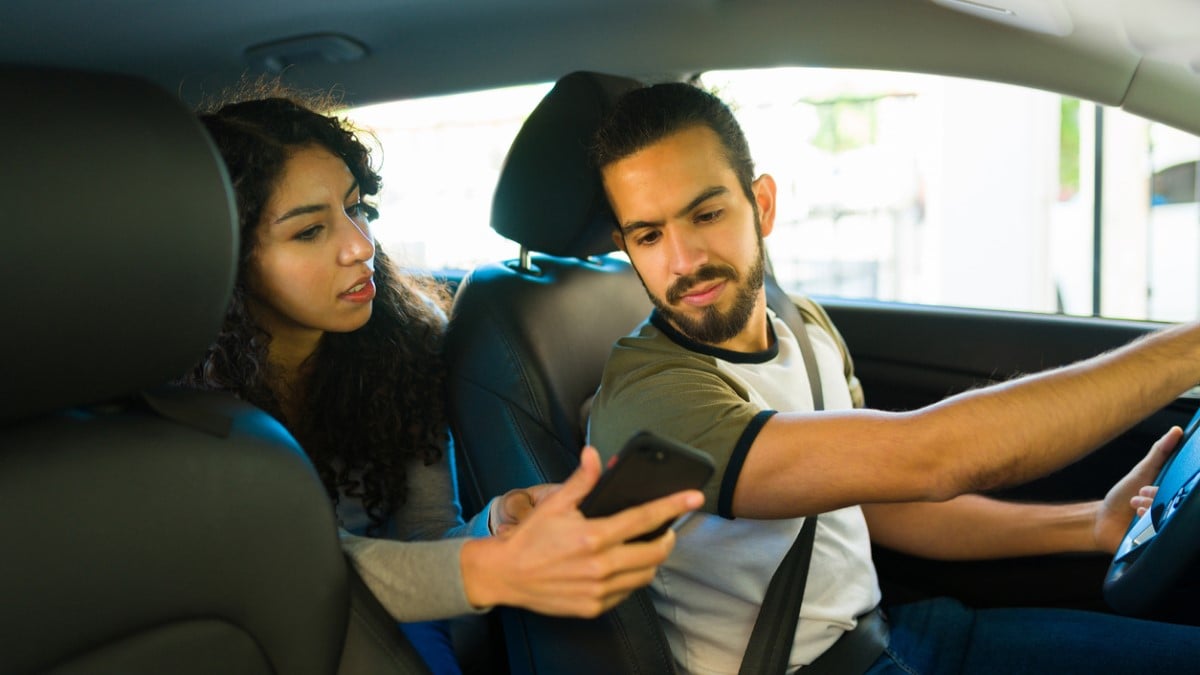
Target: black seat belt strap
(775, 628)
(782, 305)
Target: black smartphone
(648, 467)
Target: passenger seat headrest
(549, 198)
(120, 239)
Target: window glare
(892, 186)
(937, 190)
(440, 159)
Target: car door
(908, 356)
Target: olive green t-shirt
(709, 591)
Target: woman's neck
(290, 368)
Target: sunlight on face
(313, 262)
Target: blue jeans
(432, 641)
(942, 636)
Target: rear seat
(148, 529)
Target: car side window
(944, 191)
(441, 160)
(893, 186)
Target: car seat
(526, 345)
(147, 529)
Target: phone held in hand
(648, 467)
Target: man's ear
(763, 188)
(619, 240)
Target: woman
(326, 334)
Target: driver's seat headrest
(549, 198)
(120, 247)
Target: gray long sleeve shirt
(414, 568)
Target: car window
(945, 191)
(892, 186)
(441, 158)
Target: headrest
(549, 198)
(119, 239)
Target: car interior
(536, 317)
(147, 526)
(160, 530)
(522, 424)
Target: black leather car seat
(146, 529)
(527, 344)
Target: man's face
(693, 236)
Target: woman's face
(312, 266)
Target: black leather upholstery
(136, 544)
(146, 529)
(119, 243)
(548, 197)
(526, 348)
(526, 352)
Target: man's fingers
(1163, 447)
(1156, 459)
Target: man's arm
(972, 527)
(805, 463)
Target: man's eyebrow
(714, 191)
(311, 208)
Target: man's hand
(1144, 499)
(1133, 494)
(556, 561)
(515, 506)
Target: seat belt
(774, 630)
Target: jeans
(432, 641)
(942, 636)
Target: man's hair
(646, 115)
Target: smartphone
(648, 467)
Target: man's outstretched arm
(1005, 434)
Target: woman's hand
(1133, 494)
(556, 561)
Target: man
(715, 368)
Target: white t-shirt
(709, 591)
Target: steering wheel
(1149, 572)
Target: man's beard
(713, 326)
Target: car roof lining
(478, 44)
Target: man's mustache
(684, 284)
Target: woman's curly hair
(374, 398)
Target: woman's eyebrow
(311, 208)
(299, 211)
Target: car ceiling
(1140, 54)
